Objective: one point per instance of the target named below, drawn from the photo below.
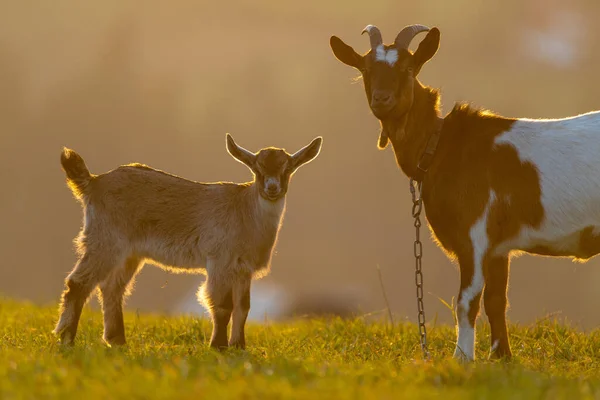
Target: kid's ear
(239, 153)
(307, 153)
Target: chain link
(415, 191)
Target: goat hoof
(67, 343)
(115, 340)
(462, 357)
(238, 345)
(500, 355)
(66, 338)
(218, 345)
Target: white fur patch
(390, 57)
(465, 346)
(272, 207)
(566, 154)
(495, 345)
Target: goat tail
(78, 175)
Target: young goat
(493, 187)
(136, 214)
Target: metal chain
(415, 191)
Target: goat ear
(239, 153)
(427, 48)
(345, 53)
(307, 153)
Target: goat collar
(427, 157)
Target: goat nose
(272, 188)
(382, 97)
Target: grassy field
(318, 359)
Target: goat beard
(392, 130)
(383, 139)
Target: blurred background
(162, 82)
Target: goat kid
(136, 214)
(495, 186)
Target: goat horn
(407, 34)
(374, 36)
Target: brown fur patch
(466, 167)
(272, 161)
(589, 243)
(456, 190)
(494, 297)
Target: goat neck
(410, 132)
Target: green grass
(313, 359)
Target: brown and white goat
(495, 186)
(136, 214)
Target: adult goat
(491, 186)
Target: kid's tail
(78, 175)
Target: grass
(168, 357)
